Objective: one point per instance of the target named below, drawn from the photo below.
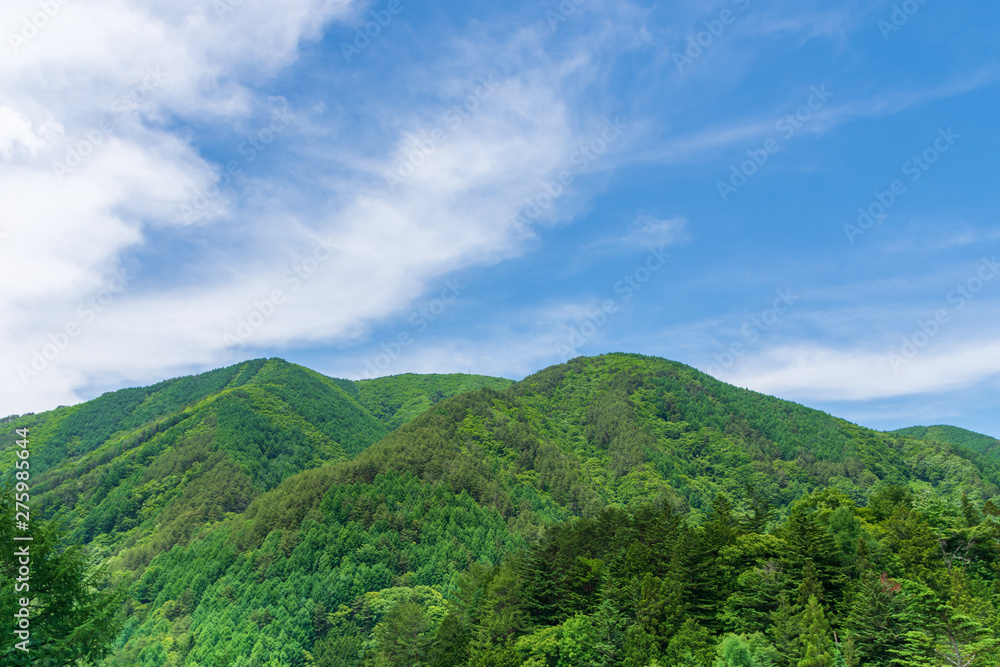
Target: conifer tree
(816, 640)
(72, 611)
(786, 628)
(875, 619)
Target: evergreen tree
(816, 639)
(692, 646)
(785, 630)
(502, 618)
(875, 620)
(72, 612)
(761, 511)
(451, 643)
(810, 586)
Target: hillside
(626, 429)
(397, 399)
(952, 435)
(143, 468)
(614, 510)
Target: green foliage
(734, 651)
(975, 442)
(397, 399)
(72, 611)
(619, 510)
(817, 643)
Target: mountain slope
(953, 435)
(312, 567)
(143, 468)
(626, 429)
(397, 399)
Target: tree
(965, 642)
(692, 646)
(875, 620)
(72, 612)
(451, 643)
(761, 510)
(786, 627)
(503, 618)
(734, 652)
(808, 542)
(403, 637)
(815, 638)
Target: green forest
(613, 510)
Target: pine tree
(451, 643)
(816, 638)
(403, 636)
(761, 511)
(785, 630)
(810, 586)
(964, 641)
(73, 611)
(692, 646)
(808, 542)
(502, 618)
(875, 620)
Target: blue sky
(496, 188)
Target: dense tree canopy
(618, 510)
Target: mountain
(614, 510)
(144, 468)
(952, 435)
(627, 429)
(397, 399)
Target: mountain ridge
(225, 560)
(158, 461)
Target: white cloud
(144, 66)
(843, 107)
(816, 372)
(87, 86)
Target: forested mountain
(615, 510)
(397, 399)
(975, 442)
(141, 469)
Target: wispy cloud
(471, 160)
(813, 372)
